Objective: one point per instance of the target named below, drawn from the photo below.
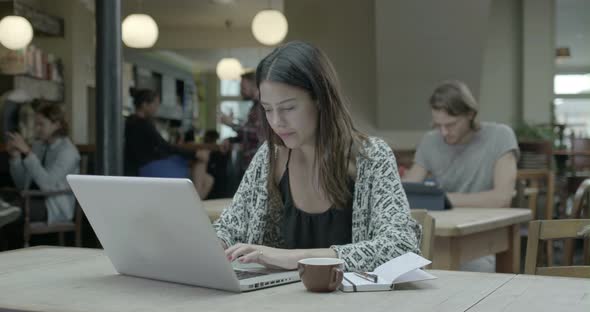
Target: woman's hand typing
(274, 257)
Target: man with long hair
(474, 162)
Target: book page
(413, 276)
(397, 267)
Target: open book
(403, 269)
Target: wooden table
(76, 279)
(464, 234)
(539, 293)
(571, 153)
(70, 279)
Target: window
(572, 103)
(229, 88)
(572, 84)
(231, 103)
(575, 113)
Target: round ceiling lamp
(15, 32)
(140, 31)
(270, 27)
(229, 69)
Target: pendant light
(139, 30)
(15, 32)
(270, 27)
(229, 68)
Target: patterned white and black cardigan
(382, 227)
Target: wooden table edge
(477, 227)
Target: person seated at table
(317, 187)
(144, 144)
(474, 162)
(45, 164)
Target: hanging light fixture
(139, 31)
(15, 32)
(229, 68)
(270, 27)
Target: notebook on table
(403, 269)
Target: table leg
(509, 261)
(447, 255)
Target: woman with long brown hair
(317, 187)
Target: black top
(144, 144)
(303, 230)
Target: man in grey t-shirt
(475, 163)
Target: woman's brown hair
(304, 66)
(55, 114)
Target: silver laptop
(158, 229)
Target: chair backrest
(529, 183)
(86, 154)
(581, 210)
(535, 155)
(580, 162)
(555, 229)
(427, 222)
(582, 201)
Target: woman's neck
(306, 154)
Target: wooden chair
(529, 183)
(427, 222)
(24, 198)
(536, 161)
(555, 229)
(38, 228)
(582, 201)
(581, 210)
(534, 166)
(580, 164)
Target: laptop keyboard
(248, 274)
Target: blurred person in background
(474, 162)
(248, 133)
(45, 164)
(144, 146)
